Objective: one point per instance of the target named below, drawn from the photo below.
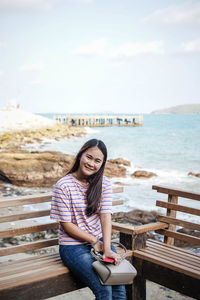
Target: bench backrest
(24, 228)
(172, 207)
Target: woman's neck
(80, 178)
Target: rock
(42, 169)
(15, 140)
(141, 216)
(120, 161)
(143, 174)
(193, 174)
(121, 183)
(188, 231)
(115, 167)
(118, 216)
(30, 169)
(114, 170)
(136, 216)
(31, 237)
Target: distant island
(180, 109)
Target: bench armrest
(134, 237)
(135, 230)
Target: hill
(180, 109)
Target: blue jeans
(79, 260)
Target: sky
(99, 56)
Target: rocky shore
(18, 139)
(19, 128)
(43, 169)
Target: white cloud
(33, 67)
(185, 13)
(1, 73)
(96, 47)
(133, 49)
(191, 46)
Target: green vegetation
(180, 109)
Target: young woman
(82, 203)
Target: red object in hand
(108, 260)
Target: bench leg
(139, 288)
(136, 291)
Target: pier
(99, 121)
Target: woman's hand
(98, 247)
(112, 254)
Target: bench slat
(180, 236)
(117, 202)
(32, 259)
(180, 250)
(177, 251)
(185, 224)
(25, 216)
(36, 198)
(171, 256)
(28, 247)
(118, 189)
(29, 265)
(43, 289)
(30, 229)
(22, 200)
(175, 192)
(33, 275)
(39, 213)
(177, 207)
(176, 266)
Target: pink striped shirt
(69, 204)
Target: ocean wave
(90, 130)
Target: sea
(166, 144)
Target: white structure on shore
(11, 105)
(15, 119)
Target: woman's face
(90, 162)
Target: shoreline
(43, 135)
(19, 128)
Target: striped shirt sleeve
(106, 198)
(60, 204)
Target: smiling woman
(90, 163)
(82, 204)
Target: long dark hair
(95, 181)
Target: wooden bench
(160, 261)
(37, 276)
